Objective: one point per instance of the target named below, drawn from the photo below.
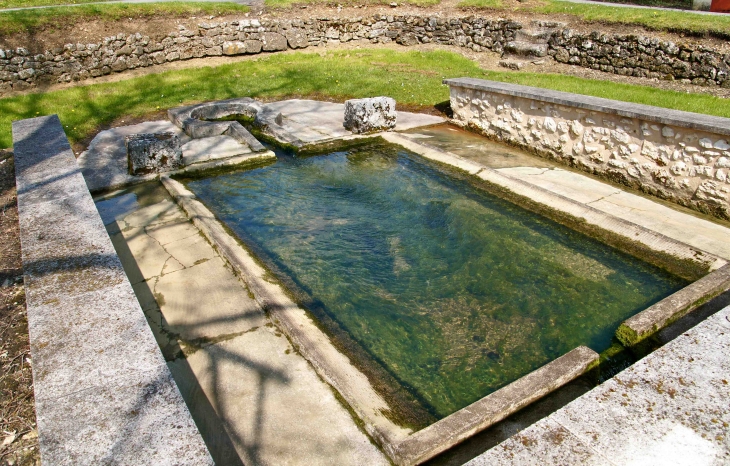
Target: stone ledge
(664, 116)
(457, 427)
(677, 156)
(670, 309)
(191, 119)
(103, 391)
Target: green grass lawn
(656, 19)
(412, 78)
(30, 20)
(289, 3)
(30, 3)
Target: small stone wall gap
(629, 55)
(677, 156)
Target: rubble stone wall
(621, 54)
(673, 161)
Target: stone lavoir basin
(427, 282)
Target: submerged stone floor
(254, 398)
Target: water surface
(454, 291)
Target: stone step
(534, 35)
(526, 49)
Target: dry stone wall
(632, 55)
(629, 55)
(681, 161)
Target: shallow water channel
(452, 290)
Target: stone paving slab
(254, 398)
(206, 301)
(104, 164)
(212, 148)
(706, 235)
(272, 404)
(103, 392)
(300, 122)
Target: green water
(454, 291)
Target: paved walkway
(255, 399)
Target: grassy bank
(651, 18)
(412, 78)
(28, 21)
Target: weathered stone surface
(370, 115)
(273, 42)
(300, 122)
(101, 386)
(241, 47)
(666, 153)
(629, 55)
(153, 153)
(297, 39)
(105, 164)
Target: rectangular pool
(452, 291)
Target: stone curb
(670, 309)
(102, 388)
(457, 427)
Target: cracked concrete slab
(191, 251)
(272, 405)
(172, 231)
(206, 301)
(147, 256)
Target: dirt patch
(18, 435)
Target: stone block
(297, 39)
(273, 42)
(370, 115)
(153, 152)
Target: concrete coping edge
(659, 315)
(697, 121)
(451, 430)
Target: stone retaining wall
(621, 54)
(679, 156)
